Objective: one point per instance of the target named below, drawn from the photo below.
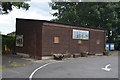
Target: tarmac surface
(80, 68)
(89, 67)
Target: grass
(36, 62)
(15, 64)
(114, 55)
(2, 67)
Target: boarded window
(56, 40)
(98, 41)
(79, 41)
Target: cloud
(37, 10)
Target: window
(98, 41)
(56, 40)
(79, 41)
(19, 40)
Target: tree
(12, 33)
(100, 15)
(6, 7)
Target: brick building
(40, 38)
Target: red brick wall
(48, 35)
(38, 38)
(67, 44)
(31, 31)
(94, 36)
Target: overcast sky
(39, 9)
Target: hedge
(9, 41)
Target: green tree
(12, 33)
(100, 15)
(6, 7)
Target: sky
(39, 9)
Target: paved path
(77, 68)
(80, 68)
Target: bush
(9, 41)
(106, 53)
(117, 44)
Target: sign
(80, 34)
(19, 40)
